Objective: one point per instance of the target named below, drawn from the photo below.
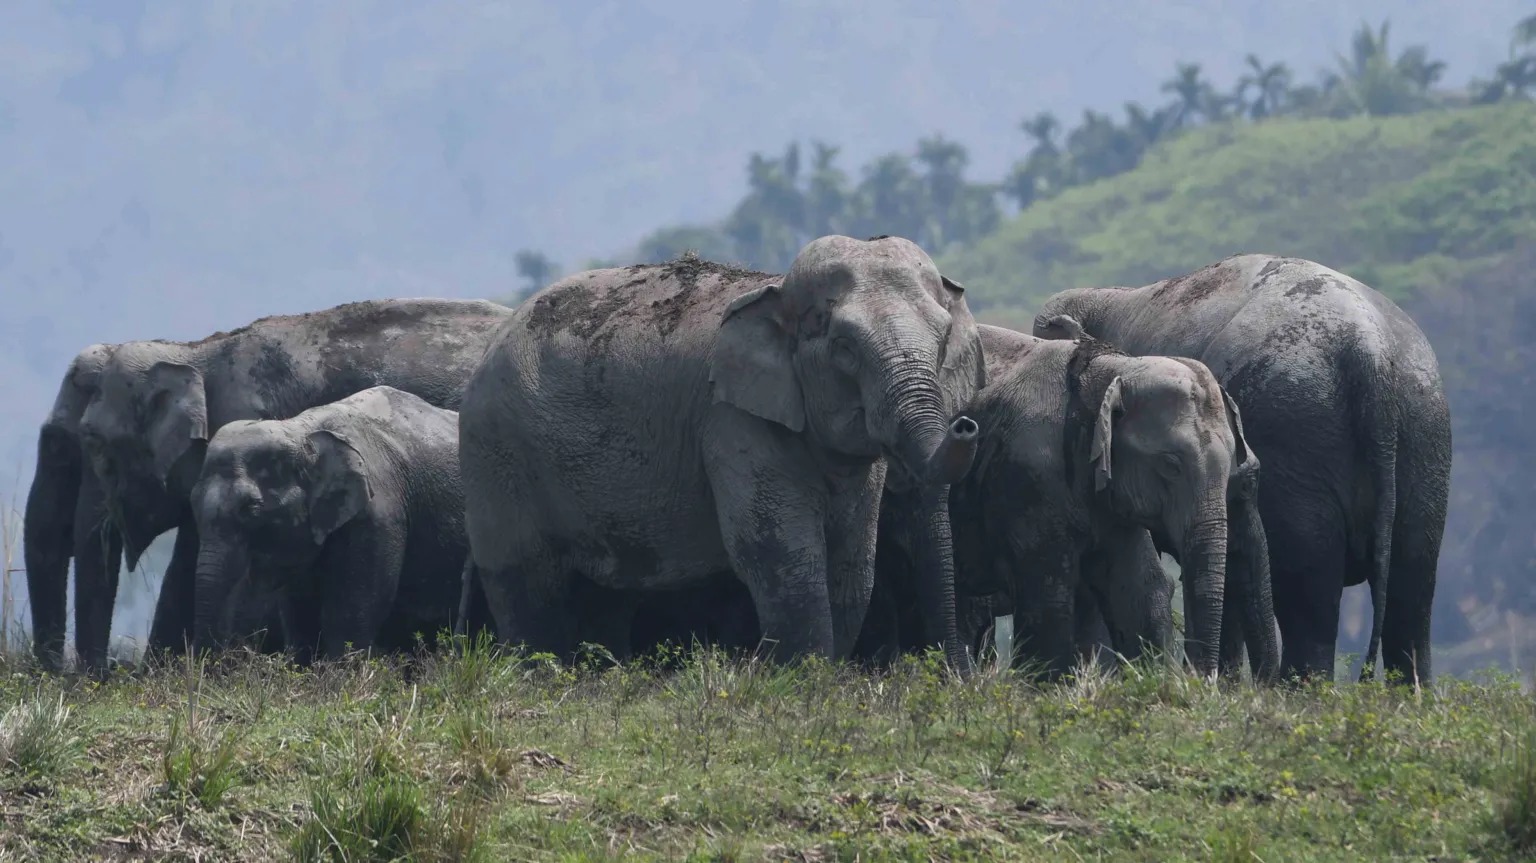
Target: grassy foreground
(479, 755)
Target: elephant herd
(837, 461)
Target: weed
(199, 766)
(37, 740)
(1517, 815)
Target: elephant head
(1165, 448)
(269, 496)
(145, 432)
(869, 350)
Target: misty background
(186, 166)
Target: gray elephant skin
(1089, 456)
(54, 523)
(348, 518)
(145, 431)
(647, 427)
(1343, 400)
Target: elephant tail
(1382, 427)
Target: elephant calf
(1091, 457)
(348, 517)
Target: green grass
(1407, 204)
(480, 755)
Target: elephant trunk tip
(952, 460)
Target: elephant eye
(844, 356)
(1169, 465)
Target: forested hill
(1409, 204)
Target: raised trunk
(1204, 560)
(221, 564)
(47, 532)
(1251, 556)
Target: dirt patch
(1188, 290)
(1310, 288)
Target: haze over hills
(181, 167)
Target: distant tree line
(924, 194)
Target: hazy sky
(177, 167)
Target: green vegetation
(477, 755)
(1406, 203)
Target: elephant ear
(339, 485)
(178, 414)
(1104, 434)
(753, 362)
(965, 367)
(1235, 419)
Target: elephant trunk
(1253, 582)
(1205, 560)
(935, 454)
(952, 460)
(47, 532)
(221, 565)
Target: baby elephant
(349, 518)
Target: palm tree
(1190, 95)
(1269, 85)
(1517, 75)
(1370, 81)
(826, 194)
(1042, 129)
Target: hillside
(1409, 204)
(1437, 210)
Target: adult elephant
(1090, 456)
(1343, 399)
(649, 426)
(349, 518)
(63, 510)
(158, 403)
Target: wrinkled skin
(1342, 397)
(349, 518)
(55, 523)
(1091, 455)
(647, 427)
(158, 403)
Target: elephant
(1090, 460)
(54, 518)
(146, 429)
(1343, 398)
(349, 517)
(646, 427)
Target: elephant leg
(771, 503)
(300, 615)
(530, 594)
(98, 553)
(1045, 612)
(1233, 635)
(1307, 567)
(607, 618)
(852, 520)
(360, 568)
(1090, 629)
(171, 631)
(878, 641)
(1416, 539)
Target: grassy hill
(1409, 204)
